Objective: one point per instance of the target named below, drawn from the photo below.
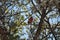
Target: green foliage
(21, 17)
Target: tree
(43, 16)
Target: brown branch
(46, 35)
(40, 23)
(51, 29)
(35, 7)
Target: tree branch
(52, 31)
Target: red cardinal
(30, 20)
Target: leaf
(36, 19)
(15, 35)
(24, 8)
(17, 22)
(22, 17)
(13, 28)
(6, 11)
(23, 23)
(20, 29)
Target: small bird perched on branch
(30, 20)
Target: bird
(30, 20)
